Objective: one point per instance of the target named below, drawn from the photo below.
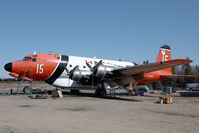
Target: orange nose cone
(8, 67)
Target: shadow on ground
(117, 97)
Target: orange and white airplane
(75, 73)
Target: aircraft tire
(27, 89)
(97, 92)
(100, 93)
(103, 93)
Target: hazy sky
(131, 30)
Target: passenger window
(84, 66)
(70, 65)
(34, 59)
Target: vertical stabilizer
(164, 55)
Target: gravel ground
(87, 114)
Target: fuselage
(64, 81)
(75, 72)
(55, 69)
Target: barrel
(164, 99)
(167, 100)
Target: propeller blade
(67, 71)
(71, 72)
(89, 66)
(97, 65)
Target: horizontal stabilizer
(182, 76)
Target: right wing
(128, 74)
(146, 68)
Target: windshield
(27, 58)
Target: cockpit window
(27, 58)
(34, 59)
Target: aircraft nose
(8, 67)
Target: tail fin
(164, 55)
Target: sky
(130, 30)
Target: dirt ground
(87, 114)
(6, 86)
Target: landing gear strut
(100, 92)
(133, 85)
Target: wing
(128, 74)
(146, 68)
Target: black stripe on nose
(8, 67)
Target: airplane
(76, 73)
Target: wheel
(27, 89)
(97, 92)
(100, 92)
(103, 93)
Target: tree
(146, 62)
(195, 70)
(187, 70)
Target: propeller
(71, 72)
(94, 69)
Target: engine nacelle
(80, 74)
(103, 70)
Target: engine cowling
(80, 74)
(103, 70)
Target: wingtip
(188, 60)
(185, 60)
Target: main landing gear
(104, 90)
(100, 92)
